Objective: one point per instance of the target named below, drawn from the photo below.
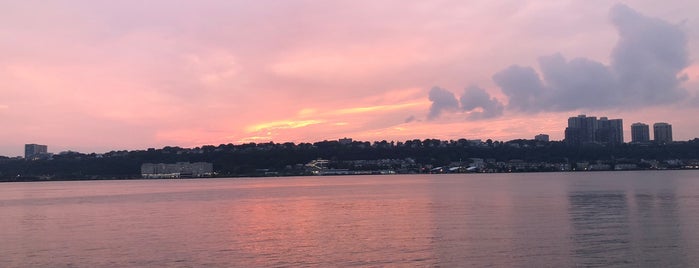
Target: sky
(96, 76)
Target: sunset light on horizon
(96, 76)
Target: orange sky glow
(94, 76)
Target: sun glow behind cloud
(287, 124)
(327, 122)
(379, 108)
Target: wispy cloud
(286, 124)
(377, 108)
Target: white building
(177, 170)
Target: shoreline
(96, 178)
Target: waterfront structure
(35, 151)
(176, 170)
(662, 132)
(587, 129)
(541, 137)
(640, 133)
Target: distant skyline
(95, 76)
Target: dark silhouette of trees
(251, 159)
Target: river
(624, 219)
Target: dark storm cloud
(645, 70)
(479, 104)
(442, 100)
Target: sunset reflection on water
(530, 220)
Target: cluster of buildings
(588, 129)
(640, 133)
(177, 170)
(584, 129)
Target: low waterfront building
(176, 170)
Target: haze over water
(532, 220)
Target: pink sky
(95, 76)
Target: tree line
(288, 158)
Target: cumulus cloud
(442, 100)
(523, 87)
(645, 70)
(649, 57)
(479, 105)
(475, 102)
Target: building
(587, 129)
(581, 130)
(662, 132)
(35, 151)
(542, 137)
(345, 141)
(609, 131)
(176, 170)
(640, 133)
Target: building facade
(662, 132)
(640, 133)
(541, 137)
(584, 129)
(581, 129)
(35, 151)
(176, 170)
(610, 131)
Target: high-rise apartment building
(662, 132)
(610, 131)
(583, 129)
(34, 151)
(640, 133)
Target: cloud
(479, 105)
(287, 124)
(442, 100)
(523, 87)
(410, 119)
(375, 108)
(649, 57)
(475, 102)
(645, 70)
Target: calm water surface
(626, 219)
